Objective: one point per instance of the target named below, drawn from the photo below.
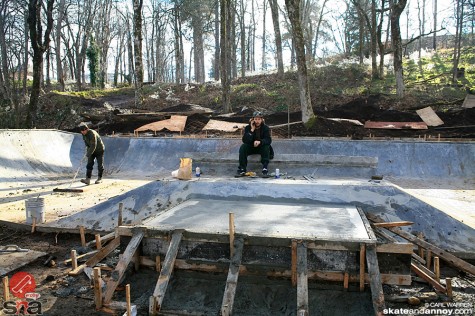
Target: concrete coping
(297, 159)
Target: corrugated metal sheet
(215, 125)
(176, 123)
(395, 125)
(429, 117)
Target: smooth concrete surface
(265, 219)
(426, 178)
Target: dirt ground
(201, 293)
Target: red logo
(22, 283)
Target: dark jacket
(93, 142)
(249, 138)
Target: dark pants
(99, 156)
(247, 150)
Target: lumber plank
(122, 266)
(423, 268)
(377, 294)
(302, 278)
(448, 257)
(362, 265)
(156, 299)
(232, 279)
(393, 224)
(439, 287)
(366, 224)
(90, 253)
(104, 239)
(294, 263)
(104, 252)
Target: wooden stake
(119, 218)
(33, 226)
(437, 269)
(302, 278)
(420, 235)
(157, 263)
(127, 300)
(448, 285)
(6, 291)
(74, 259)
(294, 263)
(346, 279)
(83, 236)
(136, 260)
(362, 265)
(97, 288)
(428, 258)
(231, 233)
(98, 242)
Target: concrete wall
(44, 151)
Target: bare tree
(216, 70)
(39, 46)
(59, 63)
(225, 9)
(434, 38)
(278, 37)
(179, 55)
(297, 35)
(138, 52)
(459, 20)
(396, 10)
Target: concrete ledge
(289, 159)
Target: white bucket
(35, 208)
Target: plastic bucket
(35, 208)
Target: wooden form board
(156, 299)
(395, 125)
(448, 257)
(122, 266)
(104, 252)
(231, 282)
(377, 294)
(302, 279)
(429, 117)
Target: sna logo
(22, 286)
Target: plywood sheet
(395, 125)
(429, 116)
(215, 125)
(176, 123)
(469, 101)
(10, 261)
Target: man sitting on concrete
(95, 150)
(256, 140)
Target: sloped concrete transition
(321, 199)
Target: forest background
(58, 55)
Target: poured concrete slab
(266, 219)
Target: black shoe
(265, 171)
(240, 173)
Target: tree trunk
(297, 35)
(216, 71)
(59, 63)
(225, 6)
(263, 61)
(396, 41)
(278, 38)
(459, 13)
(199, 55)
(434, 39)
(5, 82)
(138, 53)
(381, 45)
(39, 47)
(130, 54)
(374, 42)
(243, 39)
(179, 55)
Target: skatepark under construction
(320, 222)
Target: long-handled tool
(74, 178)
